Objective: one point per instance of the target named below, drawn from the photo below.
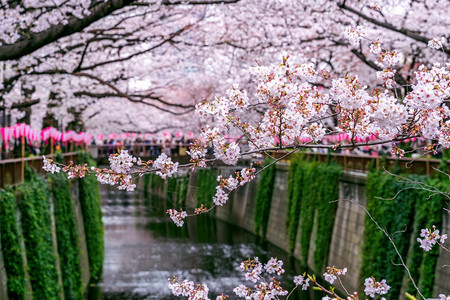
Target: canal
(143, 248)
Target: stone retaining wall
(348, 230)
(84, 261)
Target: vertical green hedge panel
(183, 185)
(410, 209)
(428, 213)
(264, 197)
(329, 176)
(206, 183)
(294, 196)
(10, 240)
(307, 204)
(37, 234)
(67, 237)
(171, 192)
(311, 188)
(92, 219)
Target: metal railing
(12, 171)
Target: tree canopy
(85, 61)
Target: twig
(390, 240)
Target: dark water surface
(143, 248)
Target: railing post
(22, 174)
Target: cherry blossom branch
(403, 31)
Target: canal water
(143, 248)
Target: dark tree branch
(120, 94)
(141, 99)
(24, 104)
(406, 32)
(169, 39)
(32, 41)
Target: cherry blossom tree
(88, 60)
(374, 72)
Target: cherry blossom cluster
(50, 166)
(177, 216)
(332, 272)
(430, 238)
(189, 289)
(121, 162)
(302, 280)
(397, 151)
(75, 171)
(436, 43)
(227, 185)
(37, 16)
(197, 154)
(354, 35)
(124, 181)
(274, 266)
(387, 75)
(373, 287)
(165, 166)
(270, 288)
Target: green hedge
(176, 191)
(294, 196)
(171, 193)
(183, 185)
(309, 198)
(156, 182)
(264, 197)
(10, 241)
(37, 235)
(410, 209)
(206, 187)
(67, 236)
(146, 185)
(92, 219)
(428, 213)
(330, 174)
(308, 209)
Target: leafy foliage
(264, 197)
(10, 241)
(146, 184)
(330, 174)
(156, 182)
(92, 219)
(206, 183)
(309, 198)
(67, 237)
(37, 235)
(294, 196)
(428, 213)
(410, 209)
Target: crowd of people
(176, 145)
(147, 147)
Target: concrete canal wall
(346, 247)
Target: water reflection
(143, 248)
